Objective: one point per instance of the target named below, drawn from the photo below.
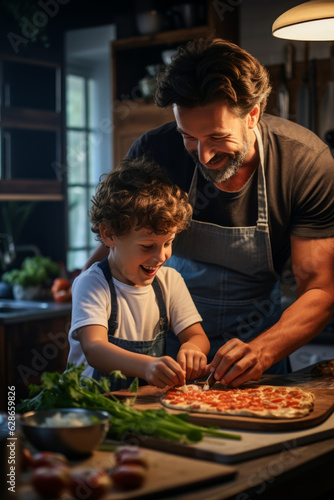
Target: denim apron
(155, 347)
(230, 274)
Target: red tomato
(60, 284)
(48, 459)
(51, 482)
(128, 476)
(63, 296)
(89, 484)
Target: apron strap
(262, 222)
(112, 322)
(161, 304)
(113, 325)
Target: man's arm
(98, 254)
(313, 266)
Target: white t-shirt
(138, 312)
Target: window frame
(87, 130)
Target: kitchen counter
(300, 469)
(299, 472)
(33, 339)
(20, 311)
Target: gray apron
(154, 347)
(230, 274)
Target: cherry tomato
(51, 482)
(48, 458)
(128, 476)
(60, 284)
(90, 484)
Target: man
(262, 189)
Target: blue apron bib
(155, 347)
(230, 274)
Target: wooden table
(298, 472)
(303, 473)
(295, 470)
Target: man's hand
(192, 361)
(164, 371)
(235, 363)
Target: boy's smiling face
(136, 257)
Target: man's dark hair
(211, 69)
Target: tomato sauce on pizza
(262, 401)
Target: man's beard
(233, 164)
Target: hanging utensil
(283, 100)
(326, 119)
(289, 55)
(303, 106)
(313, 95)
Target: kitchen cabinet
(29, 348)
(32, 173)
(134, 114)
(30, 129)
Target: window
(82, 165)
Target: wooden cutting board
(166, 473)
(149, 398)
(251, 445)
(259, 436)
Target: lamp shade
(313, 20)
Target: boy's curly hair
(137, 194)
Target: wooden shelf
(165, 37)
(33, 119)
(30, 60)
(130, 58)
(30, 190)
(31, 122)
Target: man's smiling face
(217, 139)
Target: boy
(124, 306)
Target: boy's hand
(164, 371)
(192, 361)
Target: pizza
(323, 369)
(262, 401)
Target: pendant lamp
(309, 21)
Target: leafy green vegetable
(34, 271)
(71, 389)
